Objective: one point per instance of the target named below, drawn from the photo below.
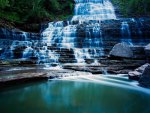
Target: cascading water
(84, 37)
(93, 10)
(14, 48)
(62, 41)
(125, 32)
(139, 31)
(67, 36)
(86, 10)
(53, 34)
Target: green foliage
(54, 4)
(35, 11)
(133, 7)
(10, 16)
(4, 3)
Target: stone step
(67, 60)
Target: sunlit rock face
(93, 10)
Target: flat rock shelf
(21, 75)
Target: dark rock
(137, 73)
(145, 77)
(89, 61)
(23, 78)
(121, 50)
(85, 68)
(138, 52)
(25, 62)
(34, 58)
(15, 34)
(147, 51)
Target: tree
(133, 7)
(4, 3)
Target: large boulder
(145, 77)
(121, 50)
(137, 73)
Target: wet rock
(134, 75)
(17, 52)
(22, 78)
(137, 73)
(11, 75)
(122, 50)
(34, 58)
(89, 61)
(25, 62)
(138, 52)
(16, 34)
(85, 68)
(145, 77)
(117, 69)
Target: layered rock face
(13, 42)
(92, 38)
(78, 40)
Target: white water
(18, 40)
(65, 35)
(126, 34)
(109, 80)
(93, 10)
(91, 45)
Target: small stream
(77, 94)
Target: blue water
(74, 95)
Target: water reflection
(64, 96)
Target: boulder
(145, 77)
(137, 73)
(122, 50)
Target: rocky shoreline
(121, 60)
(117, 58)
(10, 76)
(21, 75)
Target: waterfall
(75, 41)
(59, 35)
(93, 10)
(86, 10)
(69, 36)
(81, 39)
(25, 36)
(53, 34)
(125, 32)
(139, 31)
(51, 38)
(27, 53)
(46, 56)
